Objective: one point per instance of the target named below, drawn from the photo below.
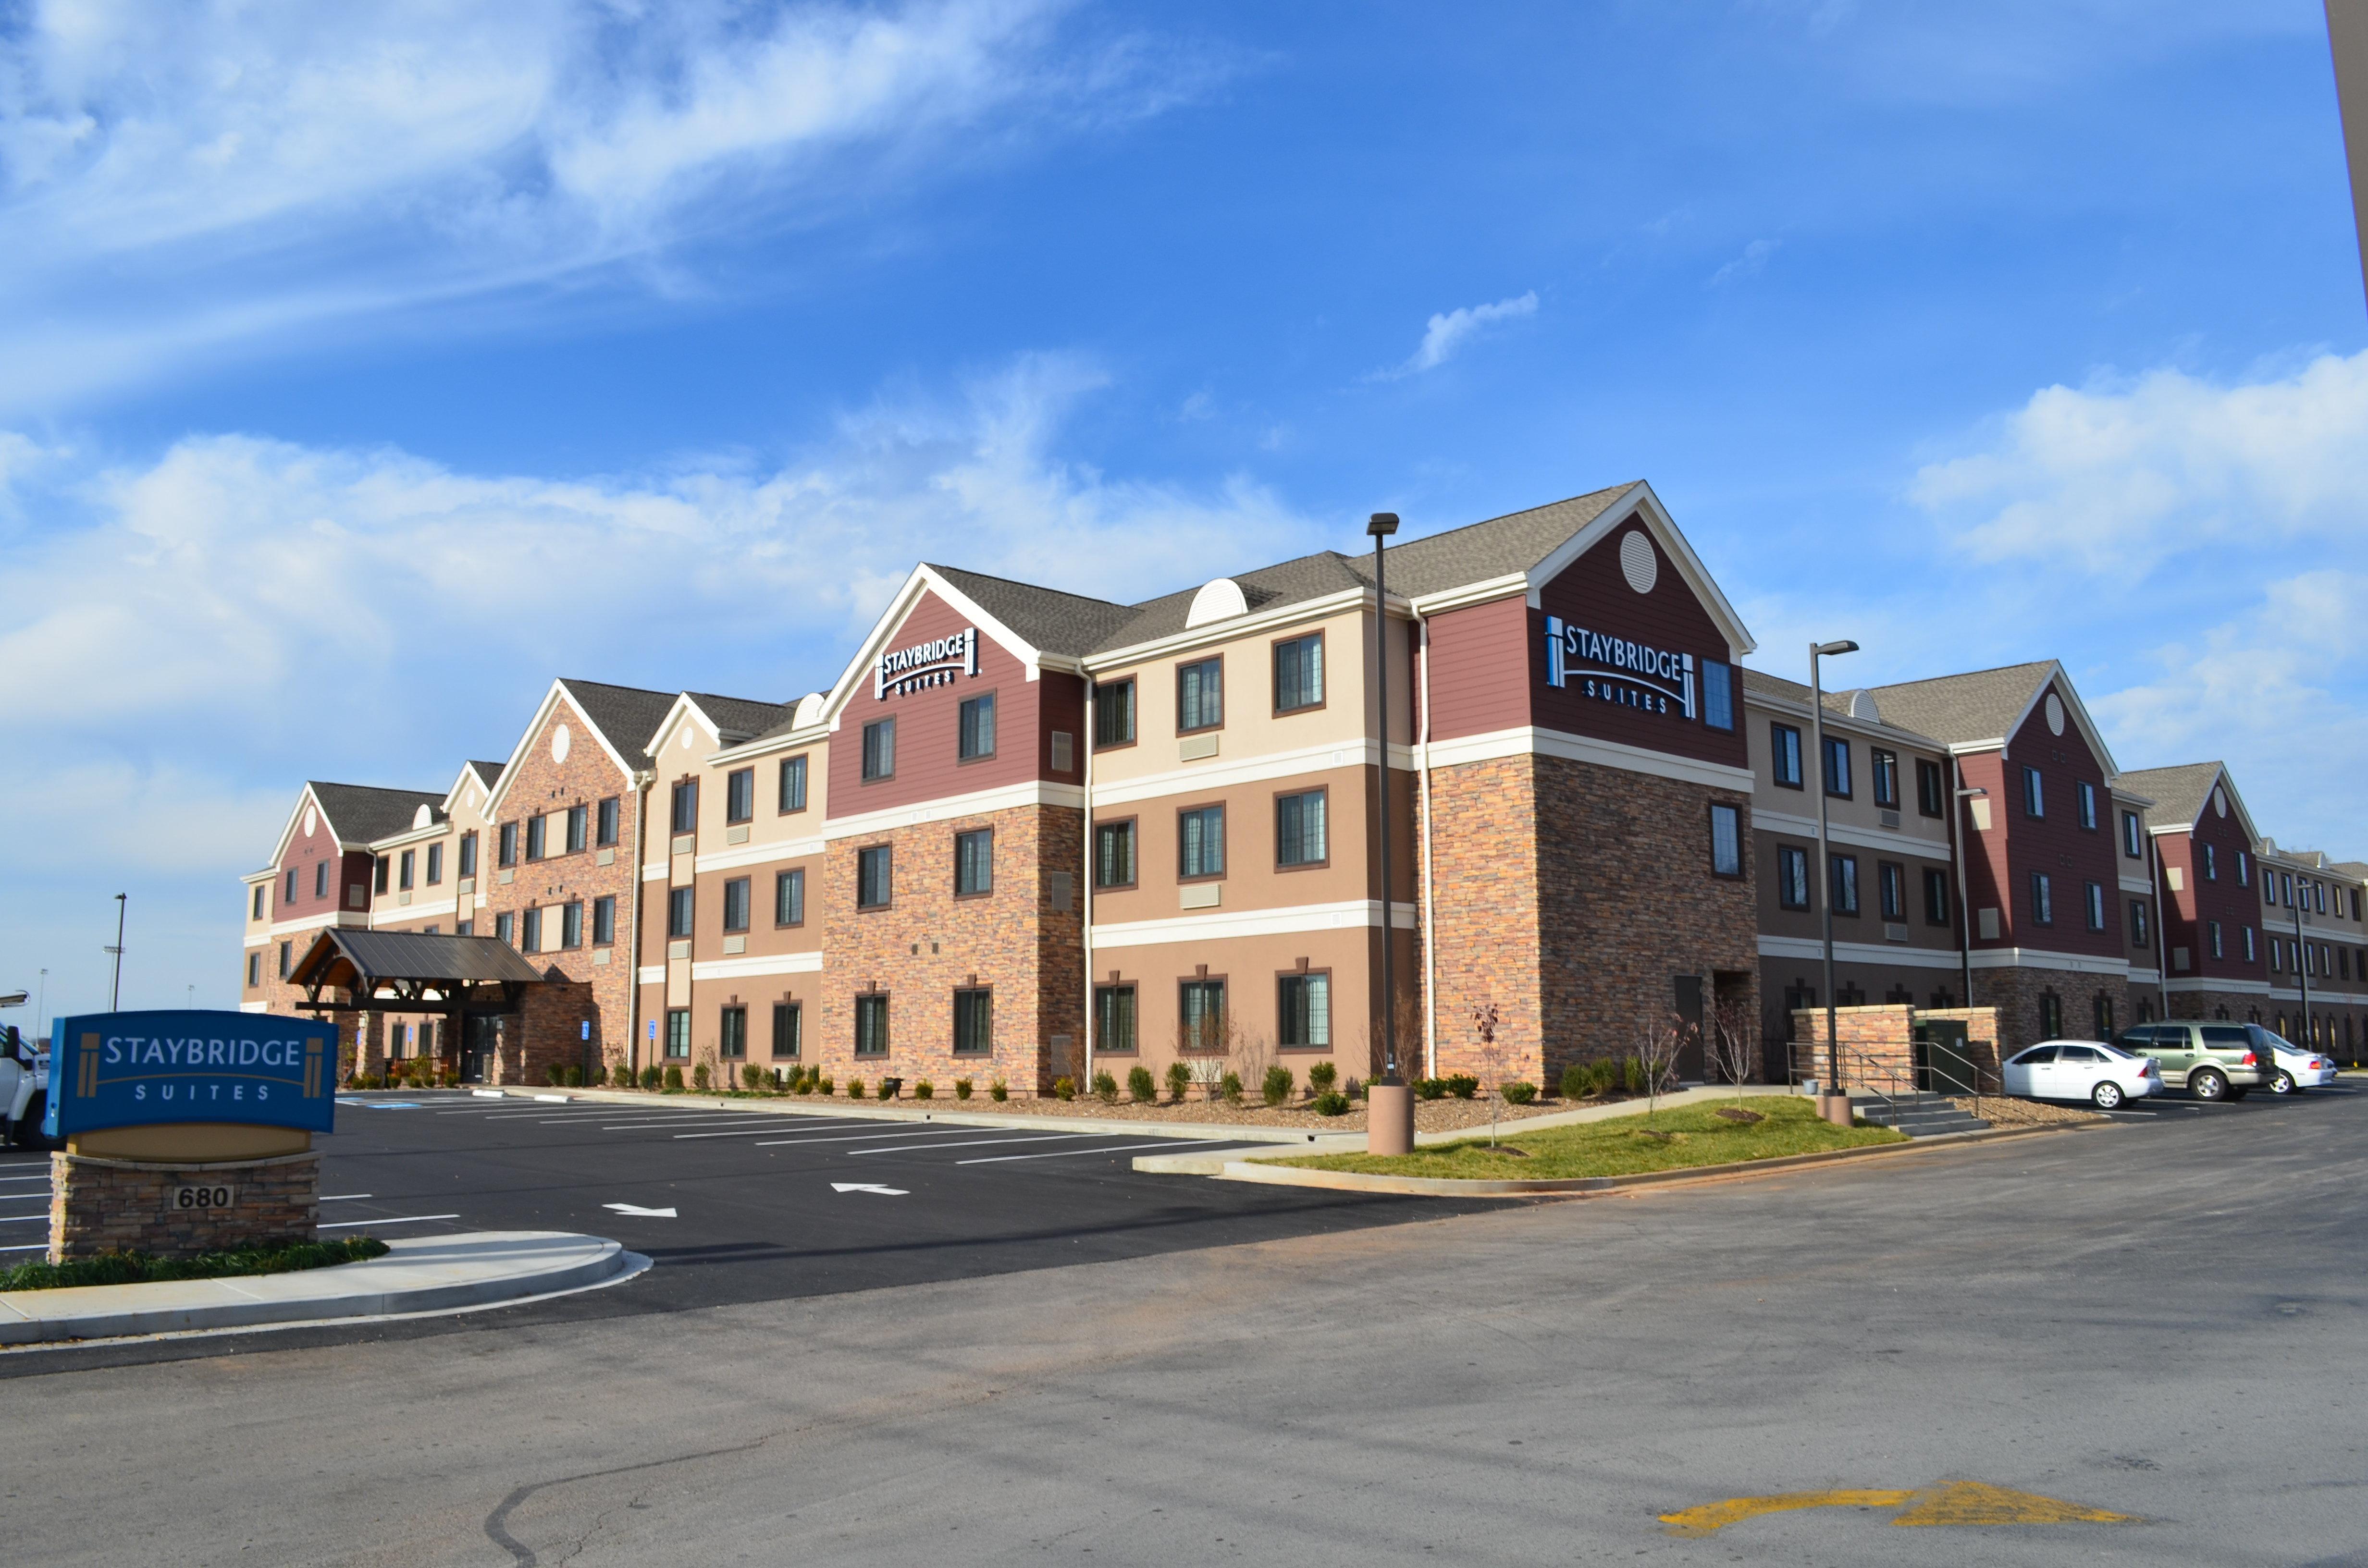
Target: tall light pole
(2302, 966)
(1389, 1104)
(1964, 905)
(115, 990)
(1825, 865)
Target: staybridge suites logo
(926, 663)
(1614, 669)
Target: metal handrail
(1869, 1066)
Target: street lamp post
(115, 990)
(1389, 1104)
(1964, 909)
(1833, 1090)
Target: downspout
(2161, 936)
(1429, 930)
(641, 847)
(1086, 879)
(1959, 806)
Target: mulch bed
(2000, 1111)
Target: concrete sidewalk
(425, 1274)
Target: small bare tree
(1735, 1032)
(1660, 1038)
(1484, 1019)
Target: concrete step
(1918, 1115)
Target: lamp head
(1827, 649)
(1383, 524)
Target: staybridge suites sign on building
(934, 663)
(138, 1069)
(1615, 669)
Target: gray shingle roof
(2179, 793)
(626, 715)
(1049, 619)
(409, 955)
(362, 813)
(738, 718)
(1976, 706)
(1758, 683)
(1497, 548)
(491, 772)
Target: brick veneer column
(98, 1205)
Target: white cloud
(2123, 474)
(1753, 260)
(1450, 331)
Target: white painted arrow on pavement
(637, 1212)
(868, 1187)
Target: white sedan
(2102, 1075)
(2299, 1069)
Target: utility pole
(115, 991)
(1824, 877)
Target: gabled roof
(1496, 547)
(358, 813)
(1049, 619)
(622, 718)
(738, 718)
(1839, 704)
(491, 772)
(344, 956)
(2180, 793)
(1980, 705)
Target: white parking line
(691, 1121)
(23, 1218)
(342, 1197)
(28, 1246)
(850, 1138)
(43, 1177)
(1072, 1154)
(390, 1220)
(980, 1143)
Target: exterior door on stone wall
(477, 1048)
(1944, 1058)
(1690, 1008)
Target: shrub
(1229, 1088)
(673, 1080)
(1353, 1089)
(1429, 1088)
(922, 1089)
(1331, 1102)
(135, 1267)
(555, 1074)
(1064, 1088)
(1141, 1087)
(998, 1091)
(575, 1076)
(752, 1077)
(1321, 1077)
(962, 1088)
(1633, 1071)
(802, 1081)
(1518, 1093)
(1105, 1089)
(1277, 1087)
(450, 1078)
(698, 1076)
(824, 1086)
(650, 1077)
(1180, 1081)
(855, 1088)
(1463, 1085)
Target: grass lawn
(1697, 1135)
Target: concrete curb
(1266, 1170)
(422, 1274)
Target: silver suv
(2211, 1062)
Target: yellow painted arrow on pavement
(1949, 1503)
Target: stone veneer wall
(2015, 994)
(928, 942)
(99, 1206)
(1571, 895)
(547, 1031)
(1879, 1044)
(2212, 1006)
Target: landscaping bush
(962, 1088)
(855, 1088)
(650, 1077)
(1278, 1084)
(1430, 1088)
(1633, 1072)
(998, 1091)
(1064, 1088)
(1180, 1081)
(701, 1077)
(752, 1077)
(1331, 1102)
(555, 1075)
(1229, 1088)
(922, 1089)
(1321, 1077)
(1353, 1089)
(1463, 1085)
(1141, 1087)
(823, 1084)
(1517, 1092)
(575, 1076)
(138, 1268)
(1105, 1089)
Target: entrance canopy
(411, 971)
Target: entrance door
(1944, 1059)
(1690, 1008)
(477, 1048)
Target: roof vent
(1220, 599)
(809, 711)
(422, 816)
(1861, 706)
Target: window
(2034, 795)
(2277, 956)
(320, 878)
(506, 853)
(2318, 893)
(535, 836)
(740, 794)
(1202, 1014)
(1114, 854)
(790, 898)
(1884, 767)
(2092, 898)
(1792, 877)
(1784, 755)
(1115, 713)
(531, 942)
(1114, 1018)
(1891, 884)
(2285, 886)
(975, 862)
(2211, 863)
(571, 924)
(253, 968)
(410, 863)
(788, 1027)
(793, 783)
(2212, 937)
(2138, 933)
(2042, 899)
(1931, 789)
(678, 1035)
(973, 1021)
(2249, 954)
(379, 881)
(1201, 842)
(257, 913)
(681, 906)
(604, 833)
(291, 885)
(875, 876)
(2088, 797)
(1937, 901)
(732, 1034)
(684, 811)
(1064, 752)
(1199, 695)
(604, 922)
(1299, 836)
(2245, 872)
(1718, 695)
(579, 823)
(505, 926)
(735, 904)
(2101, 1015)
(880, 749)
(435, 864)
(1838, 767)
(2051, 1014)
(1842, 884)
(871, 1025)
(1304, 1012)
(1299, 672)
(977, 727)
(1725, 841)
(286, 958)
(2130, 850)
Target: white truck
(24, 1090)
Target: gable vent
(1220, 599)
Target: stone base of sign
(109, 1205)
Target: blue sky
(360, 375)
